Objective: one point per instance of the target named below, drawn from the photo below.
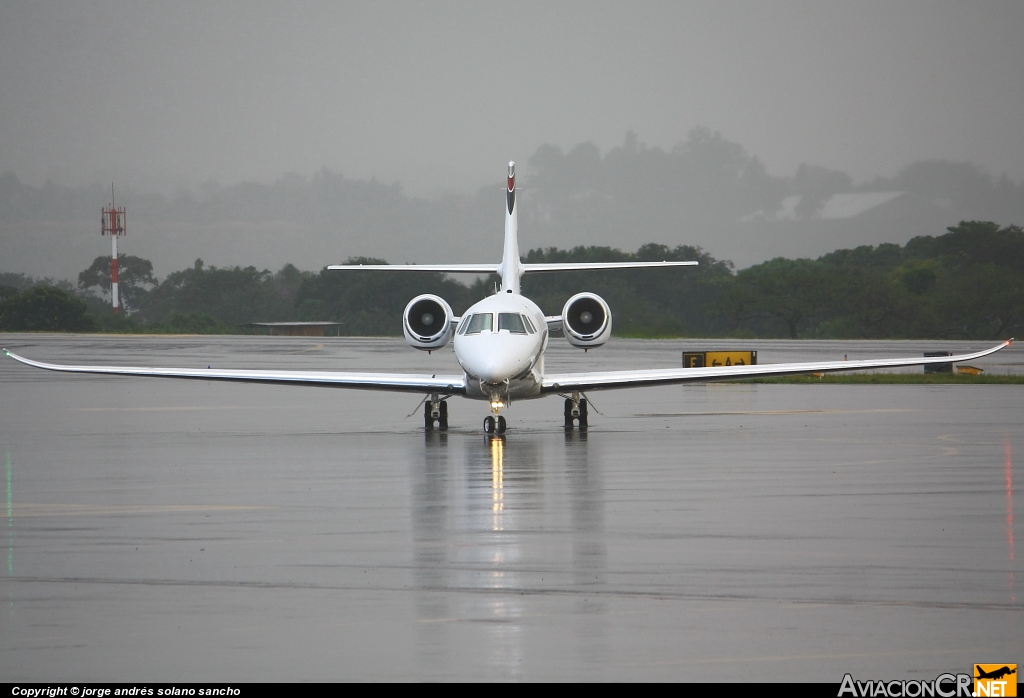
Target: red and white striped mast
(113, 225)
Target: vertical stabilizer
(510, 269)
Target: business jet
(499, 344)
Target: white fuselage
(504, 358)
(504, 361)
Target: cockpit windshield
(479, 323)
(513, 322)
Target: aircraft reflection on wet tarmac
(498, 493)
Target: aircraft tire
(502, 425)
(489, 424)
(583, 414)
(442, 423)
(428, 421)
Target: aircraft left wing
(397, 382)
(608, 380)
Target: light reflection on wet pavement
(180, 530)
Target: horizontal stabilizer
(586, 266)
(496, 268)
(443, 268)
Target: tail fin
(510, 266)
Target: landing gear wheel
(489, 425)
(575, 411)
(435, 411)
(502, 425)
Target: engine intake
(427, 322)
(586, 320)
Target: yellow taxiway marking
(22, 510)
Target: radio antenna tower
(113, 225)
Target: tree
(984, 301)
(816, 185)
(370, 303)
(134, 275)
(795, 291)
(46, 309)
(231, 295)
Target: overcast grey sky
(441, 94)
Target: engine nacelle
(427, 322)
(586, 320)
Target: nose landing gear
(435, 410)
(494, 426)
(575, 410)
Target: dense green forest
(966, 283)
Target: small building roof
(317, 323)
(856, 203)
(836, 207)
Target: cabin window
(513, 322)
(480, 322)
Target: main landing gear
(575, 410)
(435, 410)
(494, 426)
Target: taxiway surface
(171, 530)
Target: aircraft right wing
(608, 380)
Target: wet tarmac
(171, 530)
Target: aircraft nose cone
(494, 358)
(495, 369)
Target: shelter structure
(298, 329)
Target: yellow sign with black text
(700, 359)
